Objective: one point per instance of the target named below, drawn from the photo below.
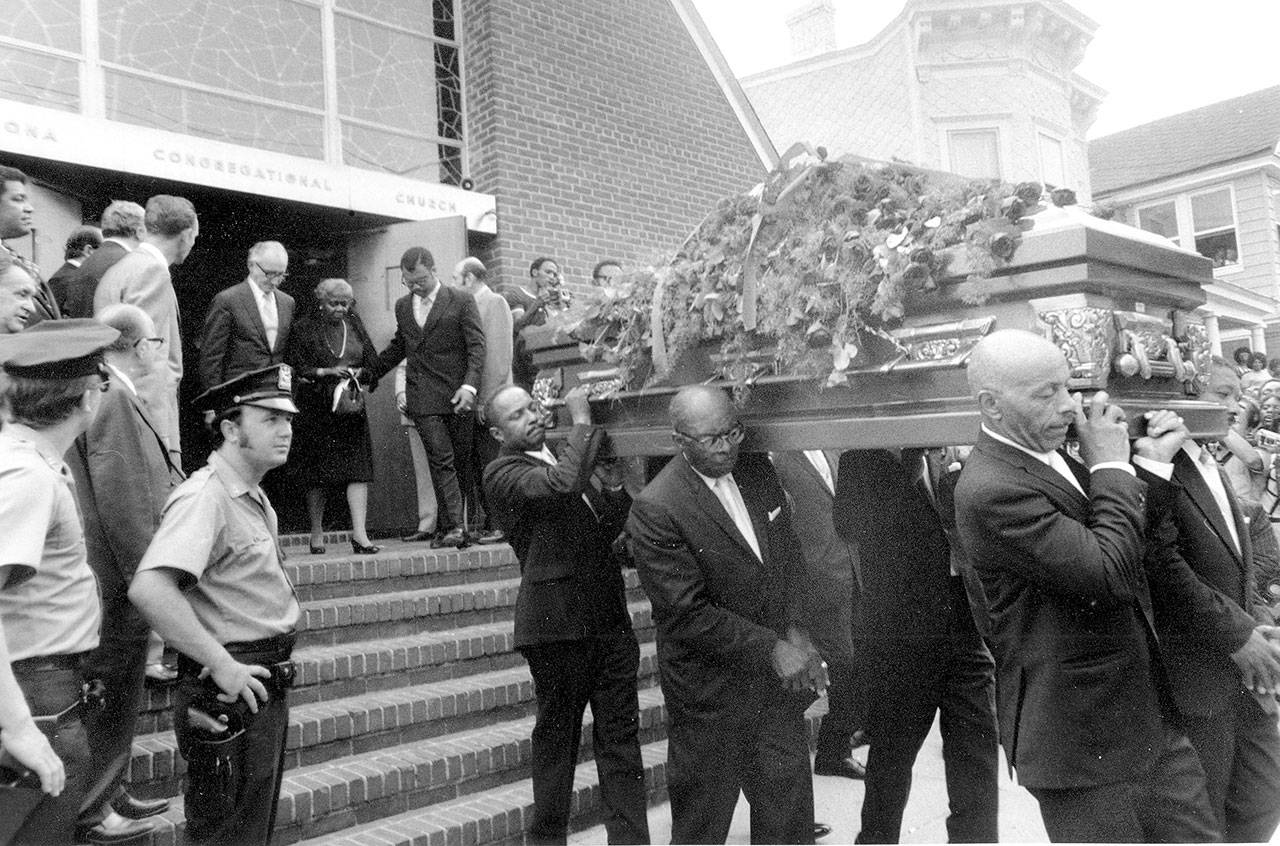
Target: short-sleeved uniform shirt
(49, 599)
(220, 532)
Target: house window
(1161, 218)
(975, 152)
(1053, 169)
(1213, 224)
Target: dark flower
(1028, 192)
(819, 338)
(1014, 208)
(925, 256)
(915, 274)
(1063, 197)
(862, 185)
(1002, 245)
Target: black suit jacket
(718, 609)
(570, 584)
(84, 284)
(59, 282)
(1079, 699)
(1204, 594)
(831, 561)
(234, 340)
(906, 555)
(124, 475)
(444, 353)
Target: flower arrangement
(810, 265)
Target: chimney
(812, 29)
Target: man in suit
(247, 326)
(1085, 718)
(715, 550)
(1215, 650)
(122, 231)
(16, 213)
(17, 295)
(142, 278)
(548, 298)
(123, 476)
(835, 590)
(81, 244)
(495, 321)
(572, 623)
(438, 334)
(923, 653)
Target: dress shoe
(485, 538)
(160, 674)
(137, 809)
(317, 550)
(453, 537)
(846, 768)
(417, 537)
(123, 833)
(360, 549)
(820, 830)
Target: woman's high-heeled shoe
(360, 549)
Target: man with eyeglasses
(716, 552)
(247, 327)
(439, 336)
(123, 476)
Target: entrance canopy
(63, 136)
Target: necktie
(270, 318)
(1213, 478)
(731, 498)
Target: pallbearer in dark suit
(1085, 717)
(438, 334)
(123, 476)
(833, 603)
(923, 654)
(122, 230)
(81, 244)
(1214, 646)
(572, 624)
(247, 327)
(716, 553)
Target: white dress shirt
(1055, 460)
(268, 312)
(1207, 466)
(726, 490)
(819, 461)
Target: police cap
(270, 387)
(57, 349)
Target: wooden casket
(1118, 301)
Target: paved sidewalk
(838, 803)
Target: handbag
(348, 397)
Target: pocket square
(773, 515)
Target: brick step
(328, 797)
(350, 669)
(497, 815)
(397, 567)
(399, 613)
(325, 731)
(292, 541)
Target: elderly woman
(332, 445)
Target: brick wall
(598, 127)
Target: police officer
(212, 585)
(49, 611)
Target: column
(1215, 334)
(1258, 338)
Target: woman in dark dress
(332, 448)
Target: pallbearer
(49, 612)
(212, 585)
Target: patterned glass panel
(384, 75)
(148, 103)
(39, 79)
(373, 150)
(413, 15)
(50, 23)
(269, 48)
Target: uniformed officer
(212, 585)
(49, 611)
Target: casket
(1118, 301)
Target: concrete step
(398, 566)
(350, 669)
(328, 730)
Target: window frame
(1186, 223)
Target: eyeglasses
(410, 281)
(154, 343)
(278, 275)
(730, 437)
